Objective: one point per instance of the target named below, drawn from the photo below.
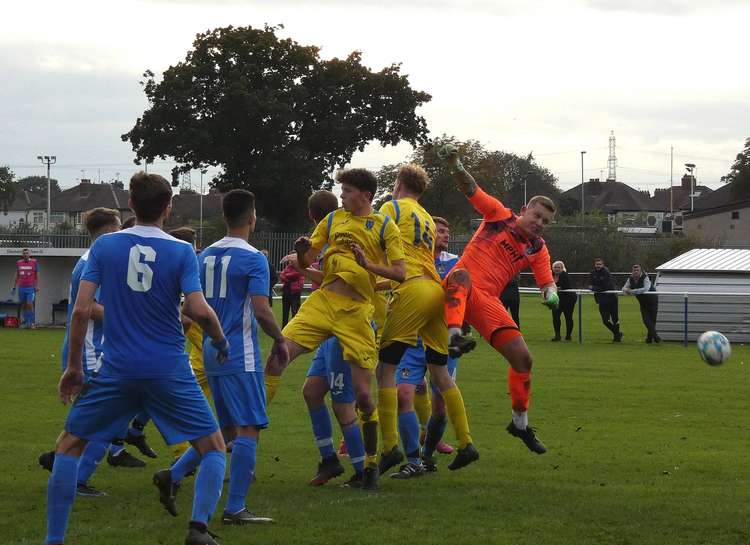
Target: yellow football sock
(272, 384)
(370, 437)
(423, 406)
(454, 405)
(388, 410)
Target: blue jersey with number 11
(142, 272)
(232, 272)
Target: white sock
(453, 331)
(520, 419)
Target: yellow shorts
(324, 314)
(417, 309)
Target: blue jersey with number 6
(142, 271)
(232, 271)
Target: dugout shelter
(702, 290)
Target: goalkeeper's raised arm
(464, 180)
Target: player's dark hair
(186, 234)
(413, 177)
(128, 223)
(321, 203)
(150, 195)
(238, 206)
(361, 178)
(96, 219)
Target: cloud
(662, 7)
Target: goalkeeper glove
(551, 299)
(222, 350)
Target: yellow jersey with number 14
(417, 231)
(375, 233)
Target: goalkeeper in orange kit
(503, 245)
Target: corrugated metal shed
(716, 285)
(710, 260)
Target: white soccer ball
(714, 348)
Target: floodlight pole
(200, 234)
(582, 206)
(48, 160)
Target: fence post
(580, 317)
(685, 337)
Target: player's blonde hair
(441, 221)
(541, 200)
(414, 178)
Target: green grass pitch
(647, 445)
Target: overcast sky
(552, 77)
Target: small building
(27, 209)
(715, 283)
(720, 220)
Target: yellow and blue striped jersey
(375, 233)
(417, 232)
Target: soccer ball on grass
(714, 348)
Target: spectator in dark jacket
(600, 280)
(638, 283)
(511, 299)
(567, 301)
(292, 281)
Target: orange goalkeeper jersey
(498, 251)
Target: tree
(38, 185)
(739, 176)
(272, 114)
(7, 188)
(499, 173)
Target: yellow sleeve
(322, 231)
(388, 210)
(394, 249)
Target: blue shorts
(26, 295)
(107, 404)
(413, 367)
(329, 363)
(240, 399)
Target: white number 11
(210, 262)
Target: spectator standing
(638, 283)
(511, 299)
(26, 282)
(273, 277)
(293, 281)
(567, 301)
(600, 281)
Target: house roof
(87, 196)
(610, 197)
(26, 200)
(709, 260)
(186, 207)
(680, 198)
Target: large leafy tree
(739, 176)
(38, 185)
(499, 173)
(7, 188)
(274, 116)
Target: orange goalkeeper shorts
(486, 314)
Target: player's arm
(97, 312)
(396, 270)
(383, 285)
(267, 321)
(464, 180)
(36, 280)
(197, 309)
(72, 380)
(540, 266)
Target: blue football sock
(408, 428)
(187, 463)
(435, 431)
(208, 485)
(241, 472)
(61, 491)
(323, 431)
(355, 446)
(92, 455)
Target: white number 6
(140, 274)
